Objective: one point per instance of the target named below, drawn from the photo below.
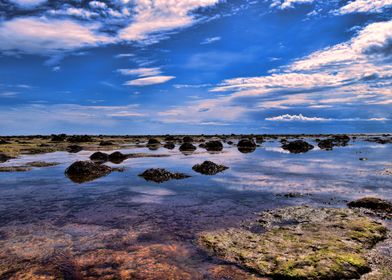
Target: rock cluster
(209, 168)
(297, 147)
(160, 175)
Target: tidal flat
(196, 207)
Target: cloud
(210, 40)
(365, 6)
(287, 4)
(31, 35)
(28, 3)
(149, 81)
(141, 72)
(152, 16)
(302, 118)
(121, 55)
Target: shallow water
(123, 226)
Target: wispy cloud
(287, 4)
(365, 6)
(210, 40)
(302, 118)
(149, 81)
(141, 72)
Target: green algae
(329, 245)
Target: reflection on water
(123, 226)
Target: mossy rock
(301, 243)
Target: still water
(121, 226)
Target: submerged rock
(215, 146)
(300, 243)
(209, 168)
(381, 207)
(99, 157)
(246, 146)
(160, 175)
(117, 157)
(15, 168)
(297, 147)
(42, 164)
(337, 140)
(74, 149)
(85, 171)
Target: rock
(215, 146)
(246, 146)
(4, 158)
(99, 157)
(58, 137)
(187, 139)
(160, 175)
(259, 140)
(79, 139)
(209, 168)
(341, 140)
(300, 243)
(117, 157)
(4, 142)
(297, 147)
(153, 142)
(381, 207)
(326, 144)
(42, 164)
(15, 168)
(85, 171)
(169, 138)
(230, 143)
(169, 145)
(187, 147)
(74, 149)
(106, 143)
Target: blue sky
(195, 66)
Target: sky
(195, 66)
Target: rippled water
(123, 226)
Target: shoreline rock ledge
(300, 242)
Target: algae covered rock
(85, 171)
(209, 168)
(380, 206)
(160, 175)
(300, 243)
(297, 147)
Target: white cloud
(159, 16)
(121, 55)
(149, 81)
(287, 4)
(365, 6)
(32, 35)
(28, 3)
(141, 72)
(210, 40)
(302, 118)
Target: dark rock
(169, 138)
(169, 145)
(153, 141)
(187, 147)
(379, 206)
(4, 158)
(341, 140)
(202, 145)
(246, 146)
(74, 149)
(209, 168)
(4, 142)
(79, 139)
(214, 146)
(15, 168)
(85, 171)
(259, 140)
(298, 146)
(230, 142)
(117, 157)
(42, 164)
(326, 144)
(99, 157)
(106, 143)
(58, 137)
(187, 139)
(160, 175)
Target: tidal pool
(123, 227)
